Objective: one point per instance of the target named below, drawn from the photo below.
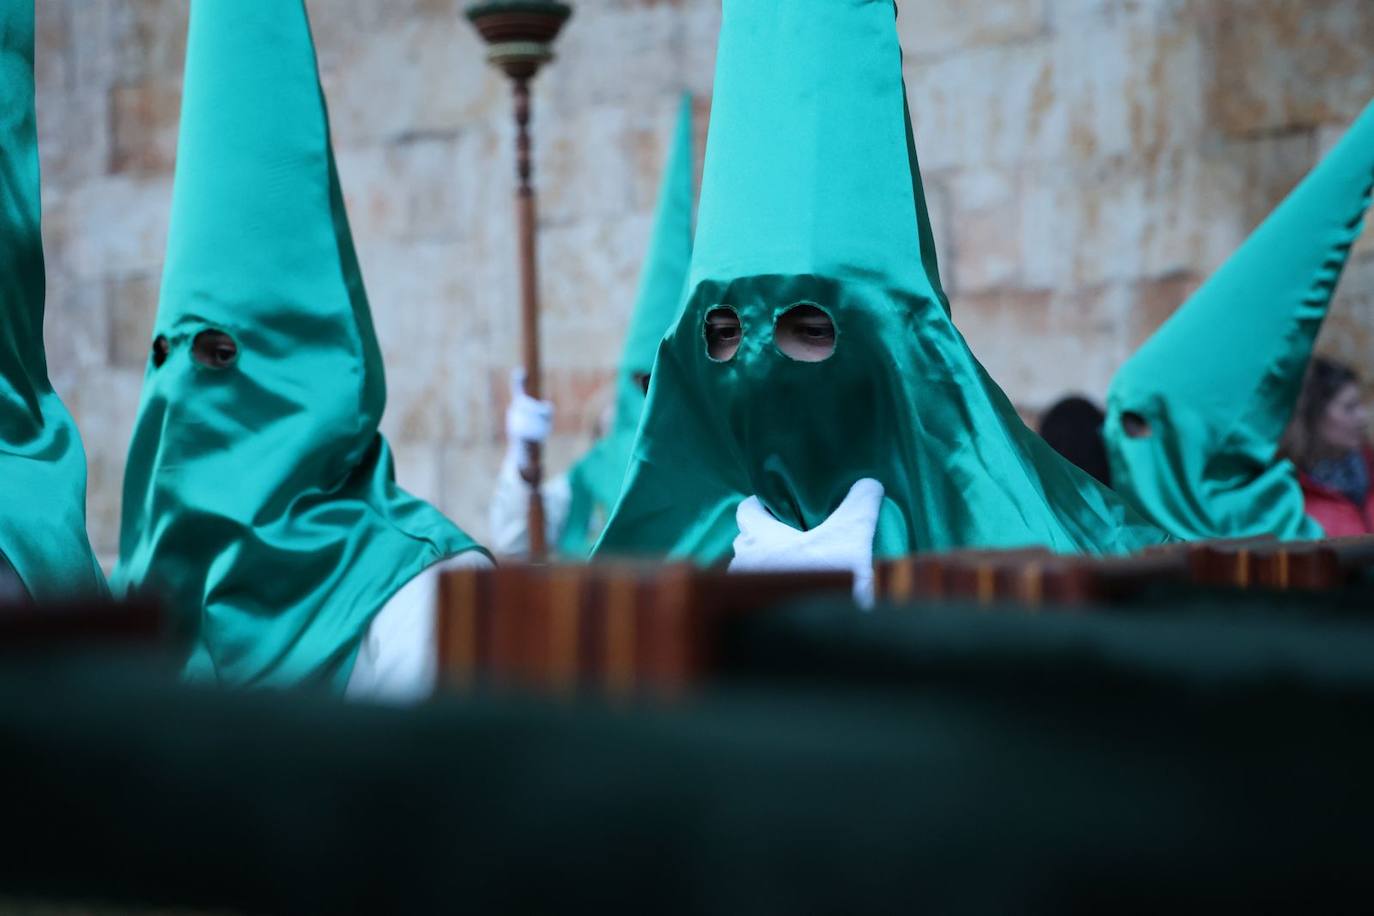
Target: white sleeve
(508, 515)
(398, 660)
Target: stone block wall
(1088, 163)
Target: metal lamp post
(519, 36)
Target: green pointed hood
(664, 274)
(1217, 383)
(42, 463)
(595, 480)
(812, 195)
(259, 496)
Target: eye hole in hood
(214, 349)
(1136, 426)
(723, 333)
(805, 333)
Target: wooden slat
(627, 628)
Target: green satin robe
(1216, 384)
(260, 497)
(812, 194)
(42, 462)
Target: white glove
(843, 541)
(527, 419)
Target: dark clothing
(1073, 428)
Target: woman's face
(1342, 427)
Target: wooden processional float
(625, 628)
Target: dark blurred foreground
(938, 760)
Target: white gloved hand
(527, 419)
(843, 541)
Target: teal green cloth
(42, 462)
(1167, 638)
(1217, 383)
(596, 479)
(910, 760)
(812, 195)
(260, 498)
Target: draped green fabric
(948, 761)
(260, 498)
(596, 479)
(1217, 383)
(812, 194)
(42, 462)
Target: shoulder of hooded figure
(468, 559)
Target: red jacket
(1336, 513)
